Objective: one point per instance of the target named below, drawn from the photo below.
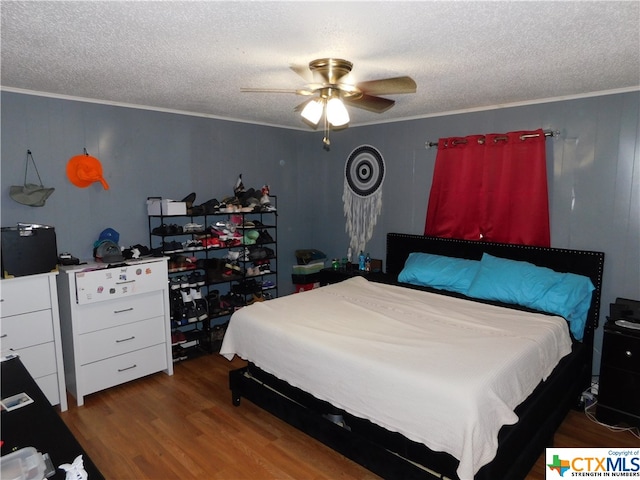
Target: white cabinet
(115, 324)
(30, 328)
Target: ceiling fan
(330, 93)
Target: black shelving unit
(224, 274)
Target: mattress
(442, 371)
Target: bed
(362, 384)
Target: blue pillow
(438, 271)
(540, 288)
(571, 298)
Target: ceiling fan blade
(371, 103)
(388, 86)
(303, 71)
(298, 91)
(300, 107)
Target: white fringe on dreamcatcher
(362, 215)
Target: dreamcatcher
(362, 197)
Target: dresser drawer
(24, 294)
(49, 386)
(124, 368)
(102, 315)
(107, 284)
(115, 341)
(39, 360)
(24, 330)
(621, 351)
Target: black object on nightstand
(619, 387)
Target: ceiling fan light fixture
(337, 113)
(312, 112)
(331, 90)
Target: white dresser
(30, 328)
(115, 324)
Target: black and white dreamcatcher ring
(364, 171)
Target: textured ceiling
(195, 56)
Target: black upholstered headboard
(581, 262)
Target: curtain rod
(547, 133)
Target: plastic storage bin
(24, 464)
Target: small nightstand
(330, 275)
(619, 388)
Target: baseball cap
(108, 251)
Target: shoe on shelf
(179, 354)
(268, 284)
(186, 295)
(196, 279)
(184, 281)
(200, 304)
(192, 245)
(183, 317)
(232, 255)
(201, 311)
(264, 237)
(189, 199)
(213, 242)
(177, 337)
(171, 247)
(233, 242)
(210, 206)
(193, 228)
(161, 230)
(252, 271)
(192, 315)
(165, 230)
(213, 302)
(175, 283)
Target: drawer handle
(127, 368)
(125, 310)
(628, 353)
(126, 339)
(4, 335)
(122, 283)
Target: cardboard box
(28, 249)
(165, 206)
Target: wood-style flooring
(184, 426)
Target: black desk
(37, 424)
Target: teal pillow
(511, 281)
(438, 271)
(540, 288)
(571, 298)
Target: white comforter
(441, 371)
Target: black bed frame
(391, 455)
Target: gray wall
(593, 168)
(143, 153)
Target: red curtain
(492, 188)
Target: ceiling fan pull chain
(327, 130)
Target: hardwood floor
(185, 426)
